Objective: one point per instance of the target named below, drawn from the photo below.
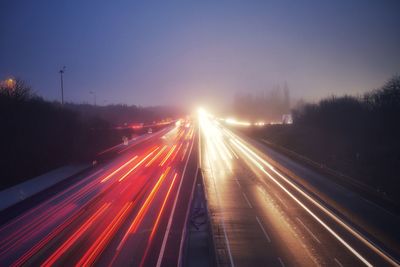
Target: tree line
(268, 105)
(356, 135)
(37, 135)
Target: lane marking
(338, 262)
(156, 223)
(339, 238)
(247, 200)
(219, 205)
(233, 152)
(262, 228)
(308, 230)
(237, 181)
(281, 200)
(164, 242)
(369, 243)
(281, 262)
(124, 189)
(137, 220)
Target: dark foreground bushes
(37, 136)
(358, 136)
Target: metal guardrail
(343, 178)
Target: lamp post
(9, 83)
(62, 84)
(94, 96)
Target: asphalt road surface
(129, 211)
(264, 215)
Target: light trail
(137, 165)
(155, 227)
(36, 248)
(98, 246)
(168, 155)
(156, 156)
(69, 229)
(162, 207)
(213, 141)
(184, 152)
(37, 209)
(212, 144)
(72, 239)
(249, 153)
(40, 223)
(176, 153)
(167, 231)
(143, 209)
(117, 170)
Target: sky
(195, 52)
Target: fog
(198, 53)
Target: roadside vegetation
(37, 135)
(356, 135)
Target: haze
(187, 52)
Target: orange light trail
(176, 153)
(117, 170)
(158, 219)
(168, 155)
(184, 152)
(29, 230)
(70, 241)
(162, 207)
(180, 134)
(98, 246)
(35, 210)
(143, 209)
(137, 165)
(44, 241)
(156, 156)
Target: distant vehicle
(287, 119)
(125, 140)
(150, 131)
(137, 125)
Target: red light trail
(101, 212)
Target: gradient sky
(172, 52)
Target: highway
(130, 210)
(265, 210)
(263, 214)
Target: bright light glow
(74, 237)
(201, 111)
(233, 121)
(258, 161)
(9, 83)
(214, 140)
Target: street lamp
(94, 96)
(9, 83)
(62, 84)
